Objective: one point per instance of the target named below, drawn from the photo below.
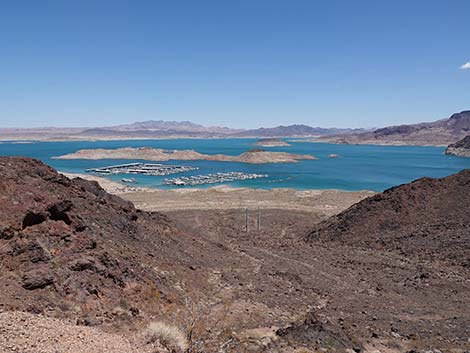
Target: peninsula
(460, 148)
(254, 156)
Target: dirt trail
(384, 298)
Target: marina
(212, 178)
(155, 169)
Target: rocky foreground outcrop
(460, 148)
(427, 219)
(69, 249)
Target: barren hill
(427, 219)
(441, 132)
(70, 249)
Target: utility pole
(246, 219)
(259, 218)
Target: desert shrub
(171, 337)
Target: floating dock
(154, 169)
(212, 178)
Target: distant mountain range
(438, 133)
(442, 132)
(294, 131)
(172, 126)
(161, 129)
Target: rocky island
(460, 148)
(271, 142)
(254, 156)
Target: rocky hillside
(389, 274)
(441, 132)
(427, 219)
(460, 148)
(69, 249)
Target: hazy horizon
(244, 64)
(219, 126)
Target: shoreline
(291, 139)
(369, 143)
(327, 202)
(32, 139)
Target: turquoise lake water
(361, 167)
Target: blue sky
(238, 63)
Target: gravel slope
(28, 333)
